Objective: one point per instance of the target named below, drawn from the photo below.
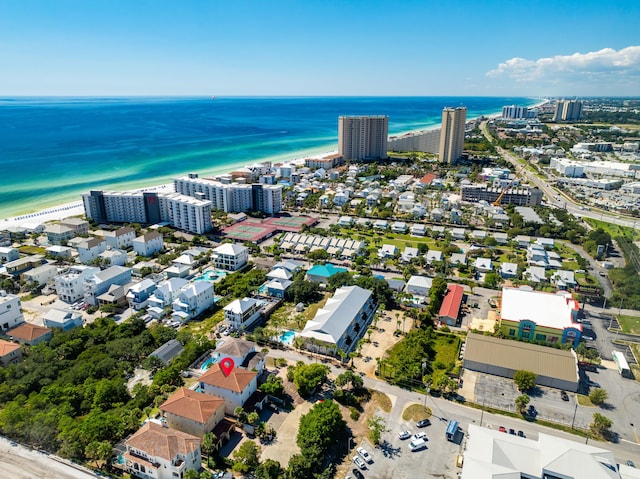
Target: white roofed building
(230, 256)
(341, 322)
(10, 311)
(542, 317)
(193, 300)
(242, 313)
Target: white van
(417, 444)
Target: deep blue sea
(54, 149)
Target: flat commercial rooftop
(545, 309)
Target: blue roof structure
(325, 270)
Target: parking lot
(394, 458)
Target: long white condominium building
(231, 197)
(568, 110)
(452, 134)
(363, 137)
(182, 212)
(515, 112)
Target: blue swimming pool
(287, 337)
(207, 364)
(211, 275)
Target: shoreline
(60, 209)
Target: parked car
(404, 435)
(365, 455)
(521, 434)
(423, 423)
(357, 473)
(503, 429)
(419, 435)
(359, 462)
(630, 464)
(512, 432)
(564, 395)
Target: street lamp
(574, 414)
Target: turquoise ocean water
(54, 149)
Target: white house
(40, 275)
(70, 283)
(433, 255)
(122, 238)
(535, 274)
(381, 224)
(508, 270)
(192, 301)
(418, 230)
(164, 295)
(90, 248)
(345, 221)
(387, 251)
(10, 311)
(458, 234)
(458, 258)
(279, 274)
(148, 244)
(235, 388)
(409, 253)
(242, 352)
(63, 319)
(399, 227)
(139, 294)
(242, 313)
(158, 452)
(8, 254)
(419, 285)
(341, 322)
(564, 279)
(58, 234)
(230, 256)
(114, 257)
(483, 265)
(100, 282)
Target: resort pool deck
(211, 275)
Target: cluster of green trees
(320, 431)
(382, 293)
(404, 364)
(307, 377)
(595, 238)
(627, 280)
(70, 396)
(241, 283)
(566, 227)
(303, 291)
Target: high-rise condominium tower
(452, 134)
(363, 137)
(568, 110)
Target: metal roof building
(556, 368)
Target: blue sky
(283, 47)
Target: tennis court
(254, 232)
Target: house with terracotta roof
(192, 412)
(235, 388)
(10, 353)
(30, 334)
(158, 452)
(450, 308)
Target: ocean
(54, 149)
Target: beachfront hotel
(231, 197)
(452, 134)
(182, 212)
(363, 137)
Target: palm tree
(209, 443)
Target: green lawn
(629, 324)
(447, 347)
(614, 230)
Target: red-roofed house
(428, 178)
(30, 334)
(193, 412)
(157, 452)
(235, 388)
(450, 308)
(10, 353)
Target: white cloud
(589, 72)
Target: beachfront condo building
(568, 110)
(363, 138)
(231, 197)
(182, 212)
(515, 112)
(452, 134)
